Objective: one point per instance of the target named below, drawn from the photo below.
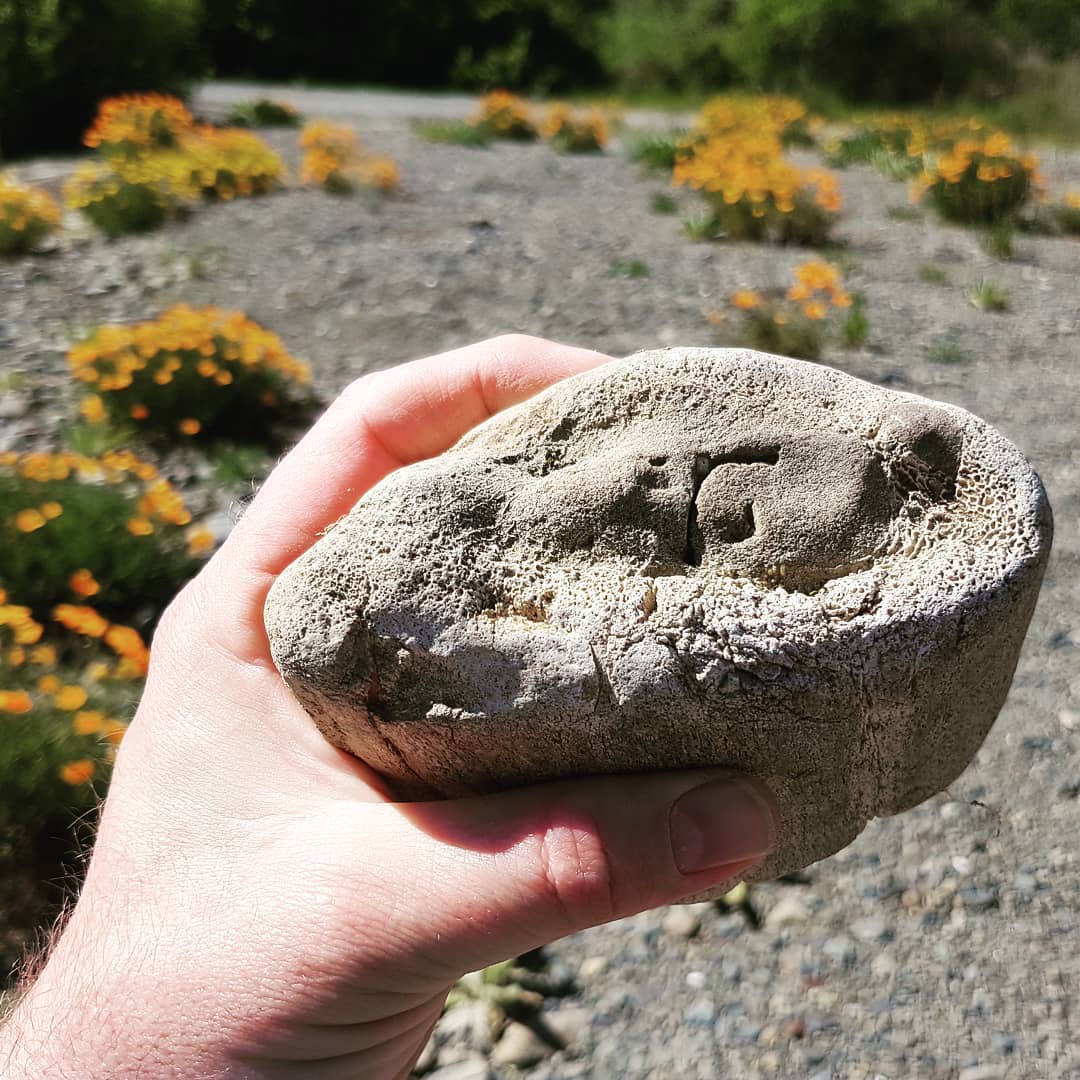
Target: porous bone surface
(691, 557)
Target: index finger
(379, 423)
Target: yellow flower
(49, 684)
(87, 722)
(78, 772)
(16, 656)
(92, 409)
(115, 731)
(815, 309)
(15, 701)
(69, 698)
(51, 510)
(29, 520)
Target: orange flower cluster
(786, 322)
(134, 123)
(27, 216)
(572, 133)
(735, 156)
(974, 178)
(157, 161)
(503, 115)
(184, 371)
(335, 160)
(24, 629)
(125, 641)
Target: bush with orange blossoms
(156, 161)
(27, 216)
(75, 529)
(64, 707)
(570, 132)
(335, 160)
(977, 178)
(503, 115)
(735, 158)
(195, 374)
(794, 321)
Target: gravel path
(942, 943)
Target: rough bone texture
(689, 557)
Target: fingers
(380, 422)
(522, 868)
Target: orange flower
(139, 412)
(69, 698)
(139, 526)
(48, 684)
(82, 583)
(83, 620)
(200, 540)
(115, 731)
(746, 299)
(43, 655)
(815, 310)
(127, 642)
(190, 426)
(15, 701)
(51, 510)
(17, 656)
(27, 521)
(77, 772)
(87, 722)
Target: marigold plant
(795, 321)
(27, 216)
(891, 142)
(110, 530)
(132, 194)
(980, 180)
(230, 162)
(573, 133)
(1068, 214)
(505, 116)
(334, 160)
(194, 374)
(132, 124)
(735, 157)
(64, 707)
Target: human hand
(256, 906)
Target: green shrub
(933, 274)
(195, 375)
(27, 216)
(109, 528)
(989, 296)
(263, 113)
(655, 152)
(452, 132)
(665, 44)
(660, 202)
(58, 60)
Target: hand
(255, 905)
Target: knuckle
(576, 873)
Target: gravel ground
(941, 944)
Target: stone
(788, 911)
(687, 558)
(684, 921)
(473, 1069)
(592, 967)
(520, 1046)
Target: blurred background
(214, 215)
(1014, 57)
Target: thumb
(524, 867)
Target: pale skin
(256, 905)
